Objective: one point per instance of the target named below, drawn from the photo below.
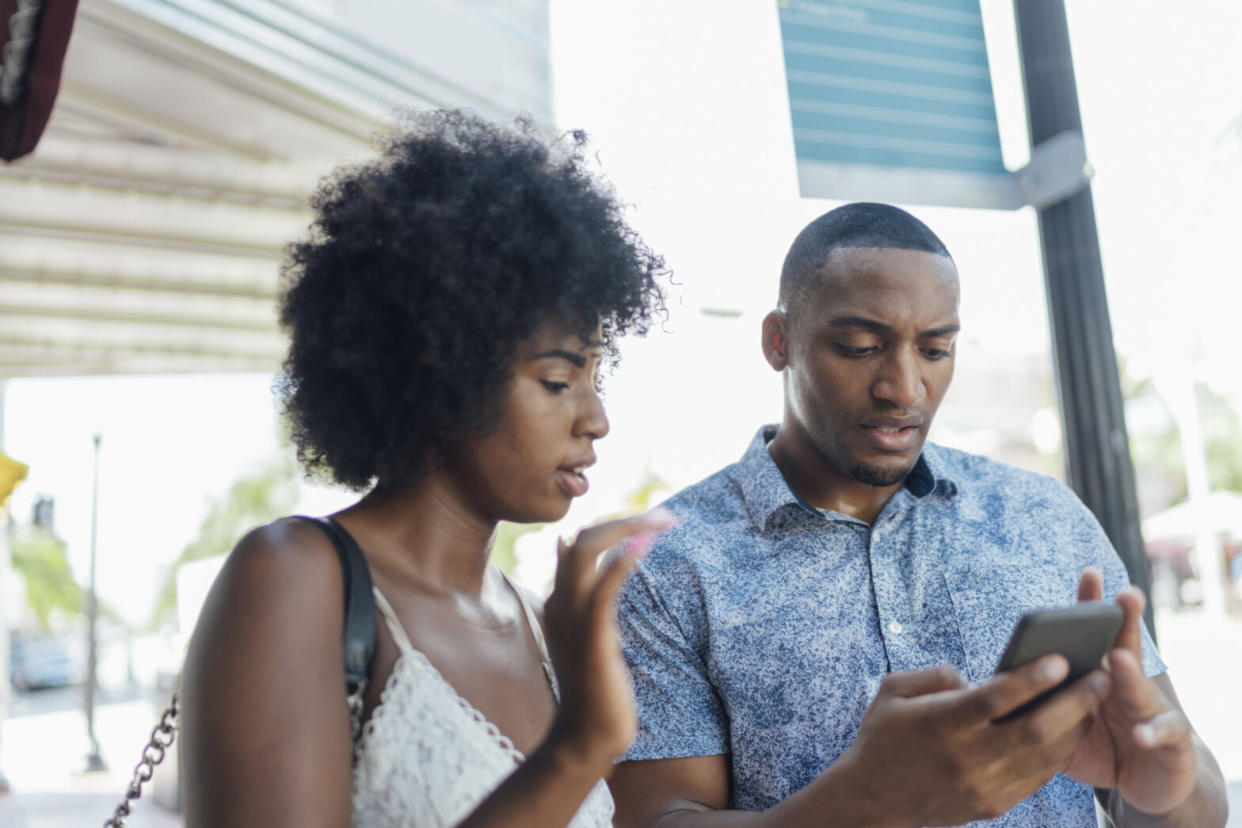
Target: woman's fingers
(575, 568)
(608, 585)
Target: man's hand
(1140, 742)
(931, 748)
(929, 751)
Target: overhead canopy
(1218, 512)
(145, 233)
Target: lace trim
(427, 756)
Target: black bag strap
(359, 640)
(358, 635)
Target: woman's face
(531, 464)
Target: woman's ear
(776, 340)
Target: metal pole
(94, 761)
(1097, 447)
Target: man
(814, 643)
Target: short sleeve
(679, 712)
(1116, 579)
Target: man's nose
(901, 380)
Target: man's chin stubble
(879, 476)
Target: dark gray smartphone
(1082, 633)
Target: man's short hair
(861, 224)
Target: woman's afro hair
(421, 273)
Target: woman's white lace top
(428, 758)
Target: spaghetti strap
(394, 625)
(536, 632)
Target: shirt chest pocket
(989, 598)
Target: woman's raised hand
(596, 720)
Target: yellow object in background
(12, 472)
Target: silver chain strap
(161, 739)
(354, 699)
(166, 731)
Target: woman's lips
(573, 481)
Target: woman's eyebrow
(559, 353)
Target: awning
(34, 35)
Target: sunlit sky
(686, 105)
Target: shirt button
(894, 627)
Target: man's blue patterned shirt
(761, 627)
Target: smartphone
(1082, 633)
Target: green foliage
(1222, 440)
(251, 501)
(650, 489)
(637, 500)
(504, 545)
(39, 556)
(1162, 452)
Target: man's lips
(895, 434)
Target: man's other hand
(932, 747)
(1140, 741)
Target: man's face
(869, 358)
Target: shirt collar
(764, 490)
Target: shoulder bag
(358, 638)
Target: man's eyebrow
(943, 330)
(880, 327)
(577, 360)
(858, 322)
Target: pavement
(43, 742)
(43, 750)
(1204, 657)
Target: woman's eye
(554, 387)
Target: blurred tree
(651, 489)
(504, 547)
(253, 500)
(39, 557)
(1161, 450)
(1222, 438)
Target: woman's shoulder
(285, 544)
(263, 673)
(283, 577)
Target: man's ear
(776, 340)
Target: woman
(449, 316)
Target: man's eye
(936, 353)
(855, 352)
(554, 387)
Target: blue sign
(892, 100)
